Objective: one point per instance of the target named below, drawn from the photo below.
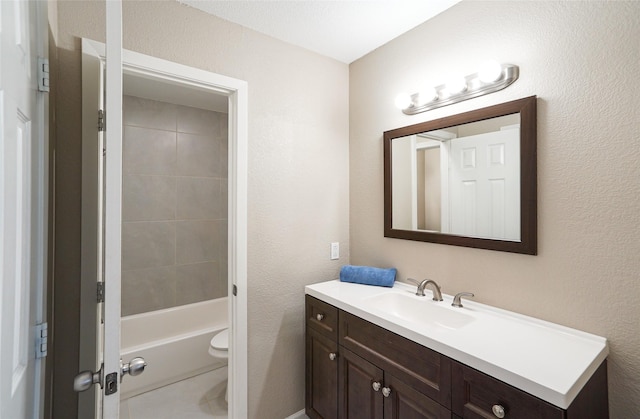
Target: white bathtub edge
(169, 380)
(175, 347)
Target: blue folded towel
(368, 275)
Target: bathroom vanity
(374, 352)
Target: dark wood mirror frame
(528, 243)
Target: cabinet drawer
(321, 317)
(475, 394)
(422, 369)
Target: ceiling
(341, 29)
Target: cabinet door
(358, 399)
(403, 402)
(421, 368)
(321, 376)
(476, 394)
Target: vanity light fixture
(491, 77)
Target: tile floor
(198, 397)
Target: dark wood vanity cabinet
(366, 391)
(475, 394)
(357, 397)
(415, 382)
(321, 359)
(358, 370)
(322, 376)
(369, 371)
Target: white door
(22, 209)
(92, 237)
(485, 185)
(100, 349)
(112, 210)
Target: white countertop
(547, 360)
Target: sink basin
(420, 310)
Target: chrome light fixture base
(474, 88)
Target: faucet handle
(420, 289)
(457, 300)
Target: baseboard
(298, 415)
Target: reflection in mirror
(467, 180)
(461, 180)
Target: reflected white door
(22, 210)
(484, 183)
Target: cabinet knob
(319, 316)
(332, 356)
(498, 410)
(386, 391)
(376, 386)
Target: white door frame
(237, 92)
(442, 140)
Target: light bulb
(403, 101)
(426, 95)
(456, 85)
(490, 71)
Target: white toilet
(219, 348)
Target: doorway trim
(237, 93)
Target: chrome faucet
(435, 288)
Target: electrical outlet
(335, 251)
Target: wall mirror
(465, 180)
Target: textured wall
(582, 60)
(298, 172)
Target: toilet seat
(219, 345)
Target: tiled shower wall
(174, 212)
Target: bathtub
(174, 342)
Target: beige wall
(298, 174)
(582, 60)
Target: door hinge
(43, 74)
(41, 340)
(234, 290)
(100, 292)
(100, 120)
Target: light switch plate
(335, 251)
